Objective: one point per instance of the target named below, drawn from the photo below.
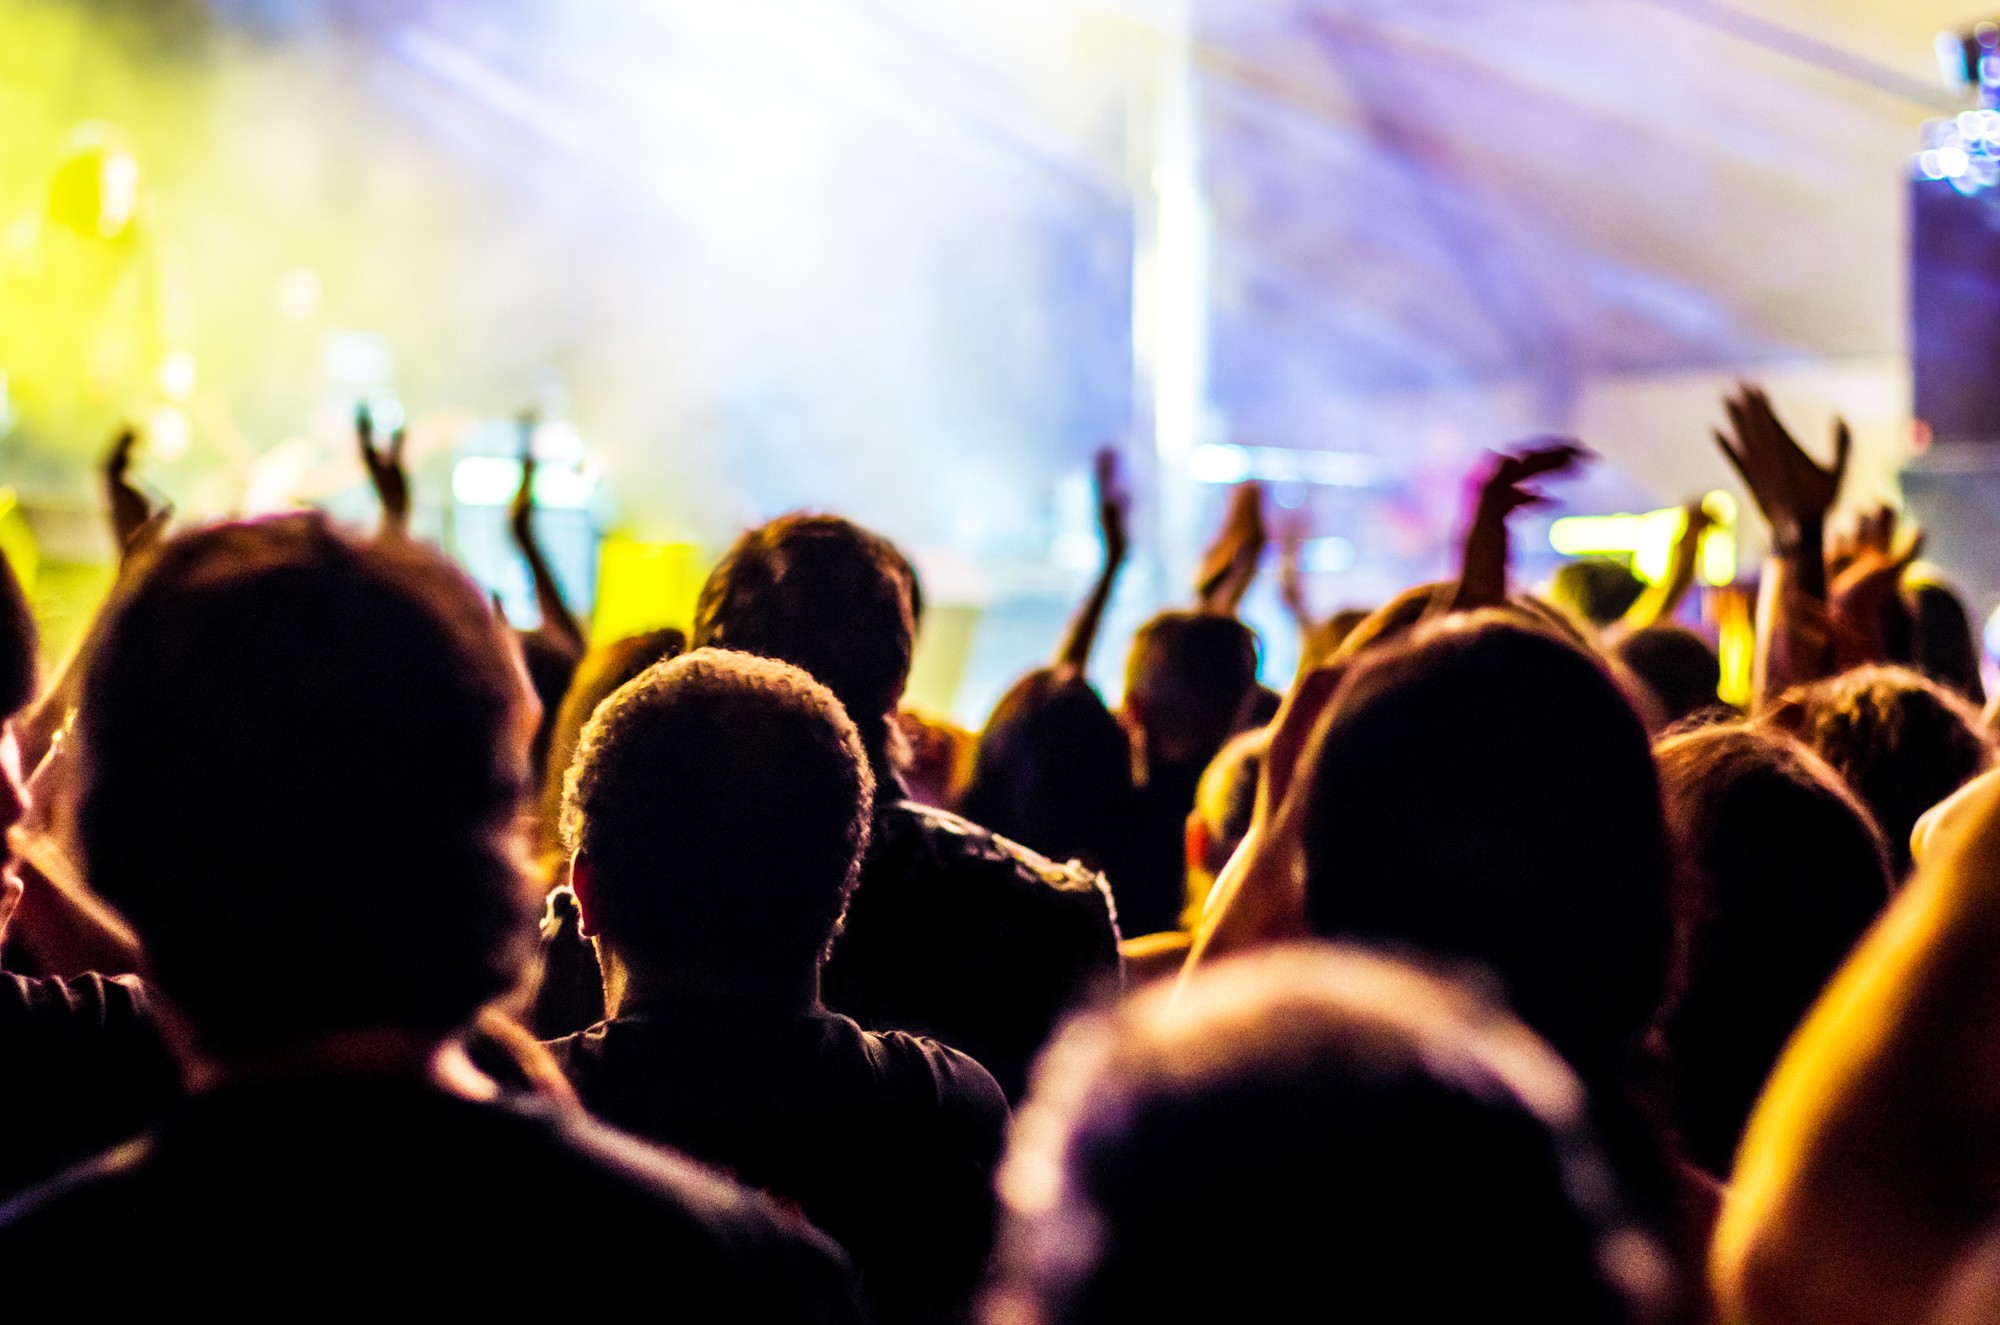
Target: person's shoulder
(795, 1269)
(959, 842)
(922, 1070)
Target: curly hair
(1901, 740)
(723, 801)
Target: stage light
(1648, 539)
(1229, 463)
(1326, 555)
(489, 480)
(168, 432)
(176, 375)
(1964, 149)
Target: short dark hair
(300, 776)
(1311, 1124)
(1484, 791)
(1193, 675)
(824, 594)
(1678, 666)
(1901, 740)
(1782, 872)
(723, 801)
(1597, 589)
(17, 644)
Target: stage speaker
(1953, 488)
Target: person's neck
(386, 1055)
(631, 990)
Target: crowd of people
(364, 953)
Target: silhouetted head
(1597, 589)
(602, 671)
(1678, 666)
(1942, 644)
(1782, 871)
(718, 806)
(824, 594)
(1053, 770)
(302, 755)
(1902, 742)
(1484, 792)
(1189, 684)
(1316, 1131)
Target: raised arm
(1871, 1167)
(138, 523)
(1865, 590)
(1113, 506)
(386, 472)
(1229, 567)
(1794, 492)
(1660, 601)
(1482, 580)
(1291, 578)
(558, 622)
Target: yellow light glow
(644, 586)
(176, 375)
(1648, 539)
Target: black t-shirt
(885, 1141)
(389, 1199)
(1152, 881)
(958, 934)
(82, 1068)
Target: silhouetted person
(1678, 666)
(1782, 872)
(1053, 771)
(1311, 1134)
(1190, 685)
(718, 808)
(84, 1063)
(1902, 741)
(1483, 792)
(1943, 645)
(303, 761)
(951, 932)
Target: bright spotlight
(176, 375)
(168, 432)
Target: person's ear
(1195, 844)
(583, 882)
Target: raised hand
(559, 624)
(1113, 509)
(133, 513)
(1230, 564)
(1793, 490)
(1291, 577)
(1863, 593)
(385, 472)
(1482, 580)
